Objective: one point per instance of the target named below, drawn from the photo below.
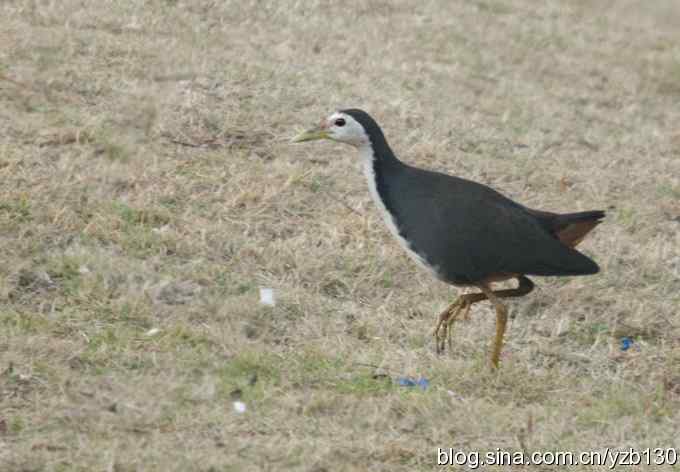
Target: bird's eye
(340, 122)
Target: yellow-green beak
(311, 135)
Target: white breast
(366, 153)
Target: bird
(463, 232)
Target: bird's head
(342, 126)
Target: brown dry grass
(146, 182)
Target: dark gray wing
(470, 231)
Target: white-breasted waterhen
(463, 232)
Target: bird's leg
(501, 323)
(463, 310)
(441, 329)
(462, 304)
(465, 313)
(525, 285)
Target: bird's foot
(443, 329)
(462, 311)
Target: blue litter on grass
(411, 382)
(626, 343)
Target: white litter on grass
(161, 230)
(152, 332)
(267, 296)
(239, 407)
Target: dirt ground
(149, 191)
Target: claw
(442, 332)
(461, 308)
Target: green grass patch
(17, 323)
(16, 210)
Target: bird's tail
(573, 227)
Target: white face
(345, 129)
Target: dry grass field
(148, 191)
